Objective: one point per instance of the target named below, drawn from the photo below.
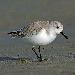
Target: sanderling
(40, 33)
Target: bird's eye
(57, 27)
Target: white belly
(42, 38)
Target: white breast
(42, 38)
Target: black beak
(64, 35)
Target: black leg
(33, 49)
(40, 53)
(38, 57)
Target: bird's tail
(16, 34)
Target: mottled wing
(31, 29)
(35, 27)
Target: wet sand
(60, 54)
(55, 65)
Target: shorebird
(40, 33)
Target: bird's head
(58, 28)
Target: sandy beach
(16, 56)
